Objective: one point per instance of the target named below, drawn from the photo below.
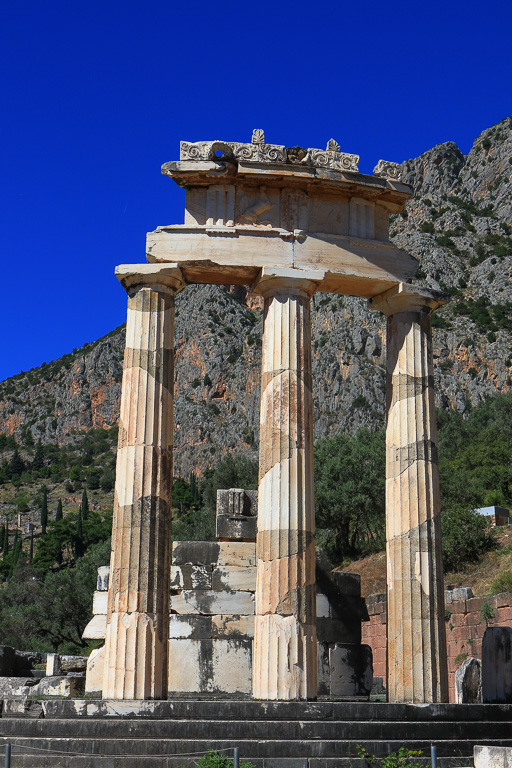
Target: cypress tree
(2, 537)
(16, 464)
(6, 541)
(38, 460)
(58, 514)
(31, 555)
(79, 539)
(44, 510)
(85, 505)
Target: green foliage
(59, 515)
(427, 226)
(230, 472)
(486, 612)
(349, 489)
(44, 510)
(214, 759)
(400, 759)
(466, 536)
(50, 614)
(445, 241)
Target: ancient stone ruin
(289, 222)
(211, 626)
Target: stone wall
(467, 618)
(212, 624)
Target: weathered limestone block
(195, 553)
(285, 645)
(214, 666)
(53, 667)
(94, 674)
(103, 576)
(492, 757)
(73, 663)
(96, 628)
(138, 599)
(191, 576)
(235, 578)
(100, 603)
(497, 665)
(468, 682)
(22, 708)
(16, 687)
(236, 514)
(236, 553)
(192, 627)
(233, 626)
(417, 666)
(351, 670)
(67, 687)
(208, 602)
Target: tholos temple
(288, 222)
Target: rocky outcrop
(459, 227)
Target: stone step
(47, 761)
(249, 748)
(226, 709)
(279, 730)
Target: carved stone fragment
(387, 170)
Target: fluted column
(138, 600)
(285, 647)
(417, 665)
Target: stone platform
(80, 733)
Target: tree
(85, 505)
(44, 510)
(350, 492)
(466, 536)
(230, 472)
(59, 514)
(16, 464)
(38, 460)
(79, 537)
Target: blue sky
(96, 96)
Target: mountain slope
(459, 227)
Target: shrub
(427, 226)
(214, 759)
(467, 535)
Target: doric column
(285, 647)
(417, 666)
(138, 600)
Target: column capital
(161, 277)
(405, 297)
(274, 280)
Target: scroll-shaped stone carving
(259, 152)
(332, 158)
(206, 150)
(387, 170)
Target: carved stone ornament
(387, 170)
(259, 152)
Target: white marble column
(285, 646)
(417, 664)
(138, 600)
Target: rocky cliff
(459, 226)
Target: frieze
(387, 170)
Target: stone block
(73, 663)
(22, 708)
(191, 576)
(53, 665)
(67, 687)
(497, 665)
(99, 603)
(236, 528)
(468, 682)
(324, 672)
(347, 583)
(195, 552)
(236, 553)
(28, 660)
(349, 608)
(188, 666)
(208, 602)
(193, 627)
(103, 577)
(94, 673)
(237, 501)
(96, 628)
(7, 661)
(233, 626)
(492, 757)
(458, 594)
(16, 687)
(235, 578)
(351, 670)
(336, 631)
(232, 672)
